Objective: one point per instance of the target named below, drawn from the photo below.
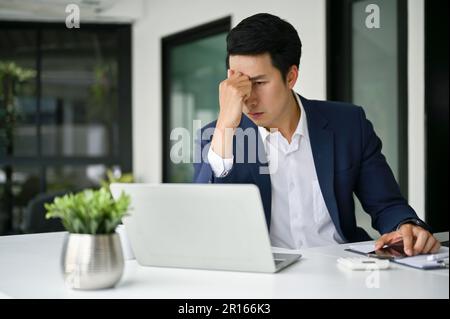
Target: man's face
(267, 105)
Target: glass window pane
(375, 81)
(74, 178)
(79, 93)
(375, 73)
(18, 133)
(197, 68)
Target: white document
(422, 261)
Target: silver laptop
(200, 226)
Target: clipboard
(418, 262)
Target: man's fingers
(421, 240)
(436, 247)
(239, 81)
(243, 84)
(248, 92)
(394, 252)
(380, 242)
(407, 235)
(245, 94)
(232, 73)
(416, 240)
(242, 79)
(387, 239)
(238, 76)
(431, 241)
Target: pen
(438, 256)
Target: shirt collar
(302, 126)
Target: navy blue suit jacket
(348, 159)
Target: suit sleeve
(203, 172)
(376, 187)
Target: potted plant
(92, 256)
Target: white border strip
(416, 106)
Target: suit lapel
(322, 146)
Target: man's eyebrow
(258, 77)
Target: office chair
(34, 215)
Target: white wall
(162, 18)
(110, 11)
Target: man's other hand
(416, 240)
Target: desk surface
(30, 268)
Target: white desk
(30, 268)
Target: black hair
(266, 33)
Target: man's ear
(292, 76)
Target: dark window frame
(167, 44)
(340, 69)
(436, 114)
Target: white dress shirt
(299, 216)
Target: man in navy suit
(307, 157)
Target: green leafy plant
(111, 177)
(11, 76)
(90, 211)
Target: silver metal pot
(92, 261)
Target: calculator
(363, 263)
